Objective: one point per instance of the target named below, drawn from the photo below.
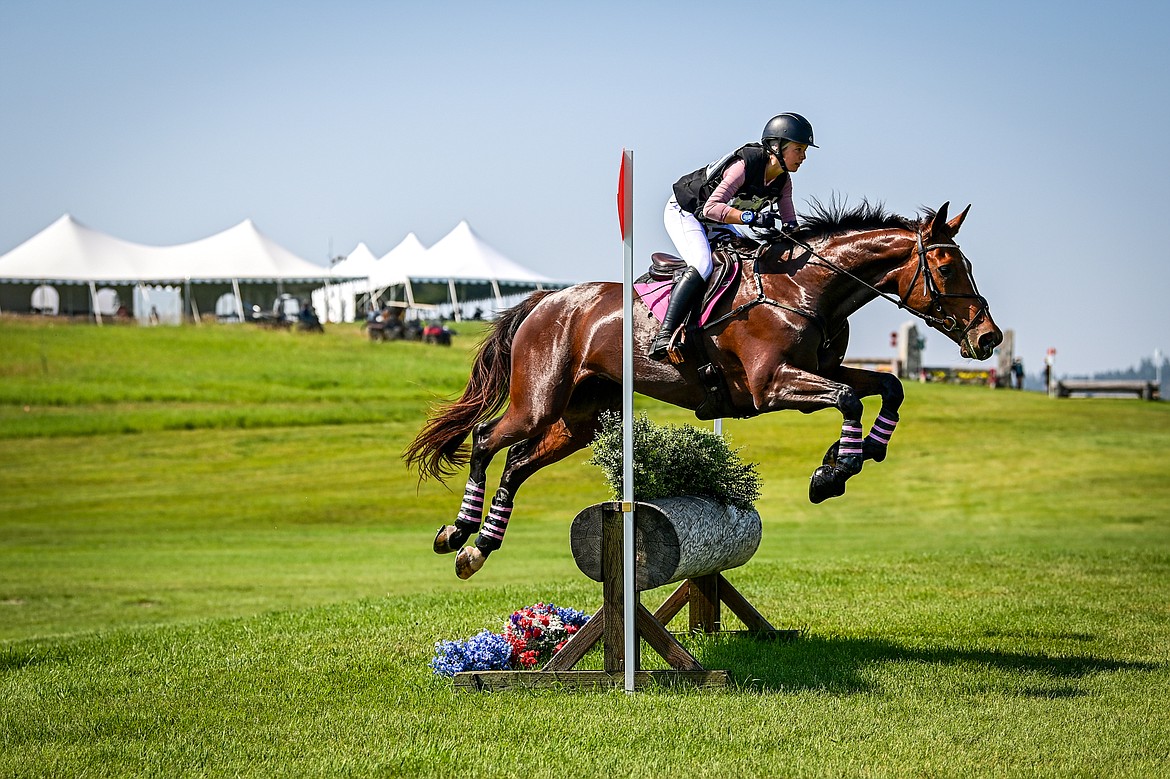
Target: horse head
(940, 286)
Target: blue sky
(334, 123)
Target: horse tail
(440, 449)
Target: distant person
(1018, 373)
(308, 318)
(749, 187)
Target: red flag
(621, 197)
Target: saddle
(655, 286)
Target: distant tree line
(1145, 371)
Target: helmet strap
(780, 156)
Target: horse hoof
(468, 561)
(825, 483)
(831, 454)
(873, 450)
(443, 540)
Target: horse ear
(957, 222)
(940, 217)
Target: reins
(947, 323)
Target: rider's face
(794, 154)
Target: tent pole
(146, 300)
(239, 299)
(499, 297)
(454, 300)
(97, 312)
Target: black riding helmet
(787, 127)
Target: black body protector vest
(692, 190)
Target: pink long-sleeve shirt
(718, 206)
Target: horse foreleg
(791, 388)
(867, 384)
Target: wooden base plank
(487, 681)
(775, 634)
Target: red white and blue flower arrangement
(530, 638)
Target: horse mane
(836, 217)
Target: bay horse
(778, 342)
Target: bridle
(934, 314)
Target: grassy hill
(212, 561)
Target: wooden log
(1143, 388)
(674, 539)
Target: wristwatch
(747, 217)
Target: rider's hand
(790, 227)
(765, 220)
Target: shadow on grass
(848, 665)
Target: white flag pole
(626, 210)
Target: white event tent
(203, 273)
(459, 269)
(337, 303)
(381, 278)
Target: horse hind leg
(451, 538)
(573, 432)
(491, 535)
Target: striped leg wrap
(494, 527)
(471, 511)
(850, 439)
(882, 430)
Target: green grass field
(213, 563)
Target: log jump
(1144, 389)
(689, 540)
(674, 539)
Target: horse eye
(946, 272)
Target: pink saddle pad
(656, 295)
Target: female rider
(751, 186)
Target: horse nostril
(989, 341)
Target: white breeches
(689, 237)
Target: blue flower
(486, 651)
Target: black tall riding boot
(689, 284)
